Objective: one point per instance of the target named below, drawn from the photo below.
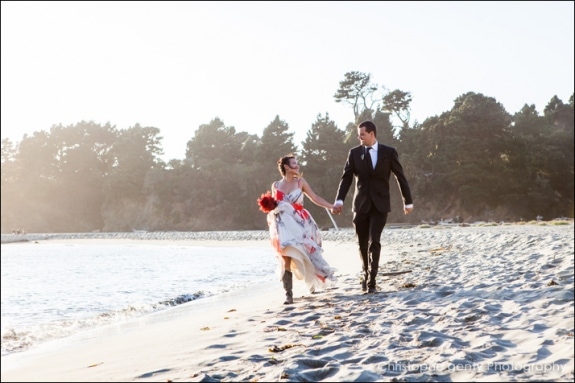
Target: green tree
(276, 141)
(9, 193)
(212, 142)
(528, 187)
(398, 102)
(136, 152)
(365, 97)
(560, 117)
(83, 161)
(223, 176)
(385, 131)
(541, 159)
(462, 157)
(357, 90)
(323, 156)
(57, 185)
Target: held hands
(336, 209)
(407, 210)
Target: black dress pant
(368, 228)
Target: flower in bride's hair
(267, 202)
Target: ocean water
(55, 290)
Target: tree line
(475, 162)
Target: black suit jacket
(372, 184)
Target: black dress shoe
(363, 286)
(371, 290)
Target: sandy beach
(480, 303)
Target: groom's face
(366, 139)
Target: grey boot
(288, 285)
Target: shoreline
(343, 234)
(480, 304)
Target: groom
(371, 163)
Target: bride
(294, 233)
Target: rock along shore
(244, 235)
(341, 235)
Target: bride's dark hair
(285, 161)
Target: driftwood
(395, 273)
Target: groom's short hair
(369, 127)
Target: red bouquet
(267, 202)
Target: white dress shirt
(373, 154)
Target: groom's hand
(337, 207)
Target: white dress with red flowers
(295, 234)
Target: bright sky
(178, 65)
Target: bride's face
(292, 166)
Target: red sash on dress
(300, 210)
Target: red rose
(267, 202)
